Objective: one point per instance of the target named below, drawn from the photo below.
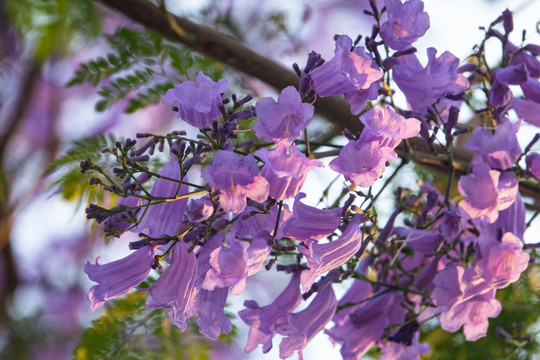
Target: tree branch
(227, 50)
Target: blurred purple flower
(406, 23)
(197, 104)
(282, 121)
(286, 170)
(237, 179)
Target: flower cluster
(442, 252)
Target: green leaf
(126, 330)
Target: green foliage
(126, 330)
(142, 68)
(51, 26)
(73, 185)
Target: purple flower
(387, 127)
(237, 179)
(209, 306)
(163, 219)
(120, 276)
(298, 329)
(286, 170)
(424, 86)
(500, 149)
(482, 204)
(522, 56)
(364, 324)
(533, 164)
(464, 299)
(246, 228)
(233, 265)
(501, 262)
(406, 23)
(175, 289)
(531, 89)
(362, 163)
(394, 350)
(322, 258)
(197, 104)
(349, 73)
(199, 209)
(262, 320)
(282, 121)
(310, 223)
(527, 110)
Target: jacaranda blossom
(282, 121)
(322, 258)
(118, 277)
(406, 23)
(197, 104)
(286, 170)
(362, 163)
(500, 149)
(175, 289)
(262, 320)
(299, 328)
(351, 73)
(387, 127)
(310, 223)
(424, 86)
(237, 179)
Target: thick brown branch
(221, 47)
(227, 50)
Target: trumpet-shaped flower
(197, 104)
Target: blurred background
(54, 112)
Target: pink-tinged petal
(233, 265)
(387, 127)
(262, 320)
(311, 223)
(118, 277)
(363, 162)
(406, 23)
(322, 258)
(175, 289)
(480, 204)
(286, 170)
(298, 329)
(502, 262)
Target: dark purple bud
(134, 245)
(408, 51)
(304, 84)
(142, 149)
(502, 334)
(86, 165)
(450, 123)
(405, 333)
(141, 158)
(508, 21)
(297, 69)
(314, 60)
